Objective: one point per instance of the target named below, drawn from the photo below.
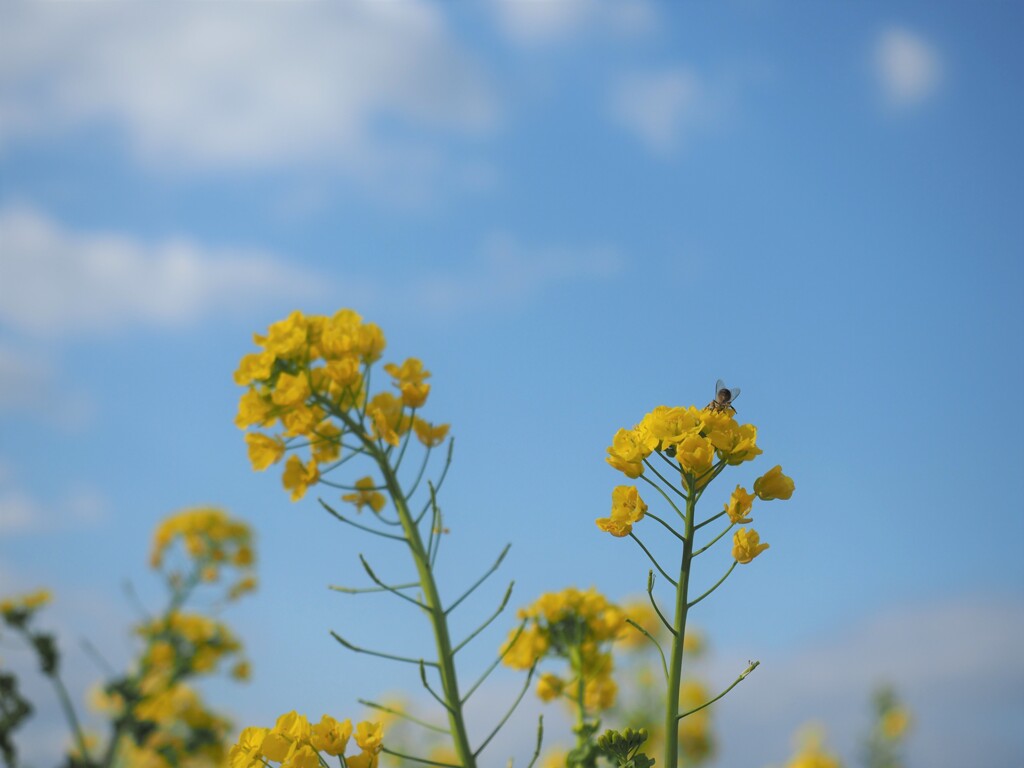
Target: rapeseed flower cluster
(295, 743)
(17, 610)
(212, 541)
(701, 443)
(579, 626)
(692, 435)
(308, 387)
(160, 720)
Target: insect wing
(734, 392)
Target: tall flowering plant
(310, 403)
(156, 715)
(678, 452)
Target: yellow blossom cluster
(308, 386)
(180, 643)
(692, 435)
(174, 716)
(212, 540)
(26, 603)
(577, 625)
(295, 743)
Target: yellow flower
(895, 723)
(695, 454)
(599, 692)
(258, 365)
(369, 735)
(254, 410)
(326, 442)
(627, 504)
(736, 443)
(616, 528)
(304, 757)
(385, 412)
(531, 644)
(297, 478)
(300, 419)
(161, 655)
(285, 338)
(344, 372)
(415, 395)
(366, 495)
(739, 505)
(627, 452)
(549, 686)
(428, 434)
(627, 508)
(241, 671)
(247, 584)
(746, 545)
(363, 760)
(410, 372)
(670, 425)
(773, 485)
(291, 390)
(330, 736)
(369, 342)
(263, 450)
(290, 731)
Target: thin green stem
(678, 641)
(380, 654)
(712, 543)
(716, 586)
(415, 759)
(492, 617)
(657, 565)
(649, 636)
(508, 714)
(667, 483)
(710, 520)
(743, 676)
(69, 714)
(354, 524)
(434, 607)
(668, 527)
(715, 471)
(654, 604)
(478, 582)
(402, 714)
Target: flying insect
(723, 398)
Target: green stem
(72, 718)
(576, 663)
(679, 633)
(434, 608)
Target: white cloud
(507, 274)
(908, 68)
(54, 281)
(21, 513)
(29, 385)
(661, 108)
(242, 84)
(543, 22)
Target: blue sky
(572, 212)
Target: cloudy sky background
(573, 212)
